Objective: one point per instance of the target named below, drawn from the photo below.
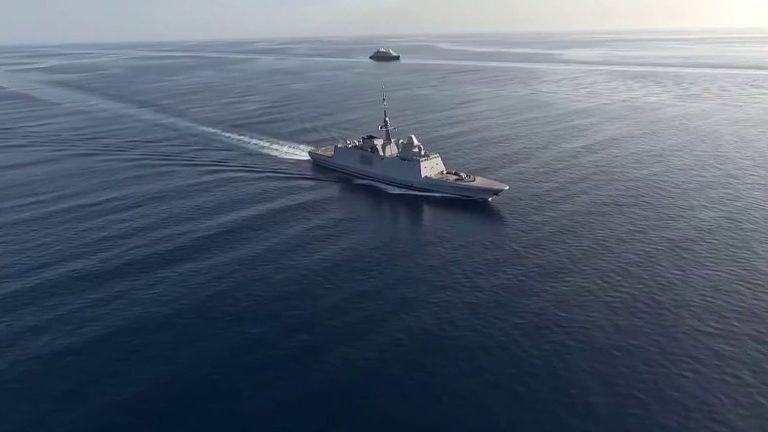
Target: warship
(404, 164)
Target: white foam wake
(281, 149)
(105, 106)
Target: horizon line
(391, 35)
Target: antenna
(385, 126)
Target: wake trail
(103, 105)
(281, 149)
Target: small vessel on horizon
(384, 54)
(405, 164)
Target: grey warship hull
(479, 188)
(405, 164)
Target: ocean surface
(170, 259)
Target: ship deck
(480, 182)
(325, 151)
(449, 177)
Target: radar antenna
(385, 126)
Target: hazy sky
(124, 20)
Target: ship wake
(104, 105)
(277, 148)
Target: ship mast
(385, 126)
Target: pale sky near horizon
(52, 21)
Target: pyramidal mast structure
(405, 164)
(385, 125)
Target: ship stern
(321, 154)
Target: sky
(61, 21)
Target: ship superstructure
(403, 163)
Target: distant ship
(384, 54)
(405, 164)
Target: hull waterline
(324, 161)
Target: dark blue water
(170, 260)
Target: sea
(170, 259)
